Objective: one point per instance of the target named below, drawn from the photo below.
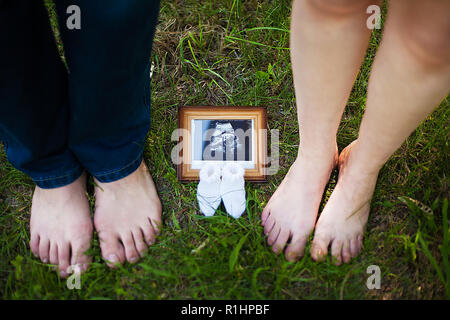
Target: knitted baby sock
(208, 192)
(232, 189)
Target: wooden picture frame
(205, 128)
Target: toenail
(113, 258)
(63, 273)
(133, 259)
(44, 260)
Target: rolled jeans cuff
(59, 180)
(117, 174)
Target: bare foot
(61, 226)
(127, 216)
(342, 222)
(292, 210)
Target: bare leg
(411, 75)
(328, 42)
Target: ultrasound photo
(224, 140)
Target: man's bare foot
(127, 216)
(292, 210)
(61, 226)
(342, 222)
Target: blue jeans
(95, 115)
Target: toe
(156, 224)
(273, 235)
(296, 248)
(336, 251)
(64, 258)
(79, 256)
(360, 242)
(265, 214)
(149, 233)
(130, 248)
(112, 250)
(53, 253)
(139, 241)
(280, 243)
(346, 255)
(354, 247)
(268, 226)
(44, 248)
(34, 244)
(319, 246)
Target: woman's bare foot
(342, 222)
(292, 210)
(61, 226)
(127, 216)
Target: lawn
(233, 52)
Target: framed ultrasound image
(220, 134)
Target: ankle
(358, 162)
(318, 154)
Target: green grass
(233, 52)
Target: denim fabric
(56, 122)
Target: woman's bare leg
(410, 76)
(328, 42)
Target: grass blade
(444, 248)
(235, 253)
(432, 259)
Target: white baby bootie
(232, 189)
(208, 190)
